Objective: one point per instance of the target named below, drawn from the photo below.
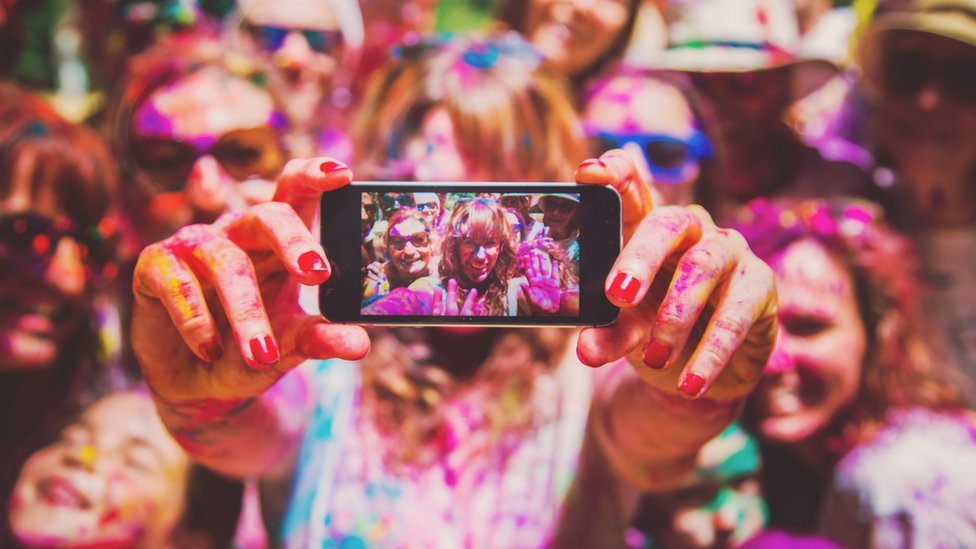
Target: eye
(140, 459)
(804, 326)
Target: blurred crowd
(837, 138)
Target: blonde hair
(513, 119)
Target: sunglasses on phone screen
(418, 240)
(28, 242)
(166, 163)
(906, 74)
(666, 155)
(271, 38)
(391, 202)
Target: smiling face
(560, 215)
(409, 245)
(479, 253)
(573, 34)
(815, 369)
(114, 478)
(221, 130)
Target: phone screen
(476, 255)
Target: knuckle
(712, 356)
(196, 324)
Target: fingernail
(692, 384)
(656, 355)
(624, 288)
(264, 350)
(311, 262)
(331, 166)
(592, 162)
(211, 350)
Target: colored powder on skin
(88, 454)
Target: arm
(214, 355)
(698, 320)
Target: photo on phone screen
(471, 253)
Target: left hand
(691, 294)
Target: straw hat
(953, 19)
(739, 36)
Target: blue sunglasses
(667, 156)
(271, 38)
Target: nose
(294, 53)
(83, 456)
(66, 271)
(929, 96)
(781, 359)
(481, 253)
(209, 189)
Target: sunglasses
(390, 202)
(427, 206)
(166, 163)
(667, 156)
(906, 74)
(271, 38)
(418, 240)
(559, 205)
(28, 242)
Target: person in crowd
(724, 509)
(308, 51)
(741, 57)
(429, 204)
(423, 439)
(521, 204)
(193, 137)
(561, 217)
(409, 241)
(662, 121)
(854, 396)
(56, 248)
(919, 65)
(115, 478)
(577, 38)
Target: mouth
(60, 492)
(38, 316)
(782, 400)
(477, 269)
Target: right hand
(216, 315)
(445, 301)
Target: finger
(450, 297)
(732, 322)
(599, 346)
(663, 232)
(276, 226)
(545, 266)
(699, 272)
(161, 275)
(617, 169)
(438, 302)
(303, 180)
(230, 271)
(322, 340)
(469, 302)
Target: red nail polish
(692, 384)
(211, 350)
(264, 350)
(311, 262)
(656, 355)
(331, 166)
(624, 288)
(592, 162)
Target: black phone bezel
(600, 241)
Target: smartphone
(487, 254)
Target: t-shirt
(344, 497)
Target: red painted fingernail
(592, 162)
(264, 350)
(331, 166)
(656, 355)
(692, 384)
(211, 350)
(311, 262)
(624, 288)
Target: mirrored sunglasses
(418, 240)
(270, 38)
(667, 156)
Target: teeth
(783, 400)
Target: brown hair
(514, 120)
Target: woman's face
(815, 368)
(646, 108)
(204, 145)
(42, 308)
(302, 45)
(478, 256)
(114, 476)
(409, 245)
(573, 34)
(560, 215)
(927, 114)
